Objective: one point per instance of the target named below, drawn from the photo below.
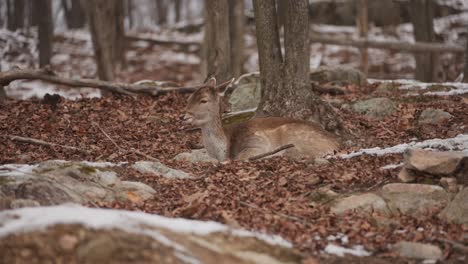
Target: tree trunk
(281, 12)
(161, 9)
(422, 15)
(465, 72)
(102, 19)
(128, 13)
(119, 55)
(236, 34)
(74, 14)
(178, 9)
(286, 88)
(217, 45)
(19, 14)
(363, 26)
(45, 24)
(10, 15)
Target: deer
(255, 136)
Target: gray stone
(414, 199)
(195, 156)
(434, 116)
(139, 191)
(157, 168)
(433, 162)
(366, 202)
(246, 93)
(385, 88)
(417, 250)
(20, 203)
(377, 108)
(346, 75)
(457, 210)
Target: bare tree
(15, 14)
(236, 35)
(119, 54)
(362, 20)
(465, 72)
(161, 10)
(102, 19)
(217, 48)
(178, 9)
(45, 23)
(74, 13)
(422, 15)
(285, 81)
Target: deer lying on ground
(255, 136)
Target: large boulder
(414, 199)
(246, 93)
(433, 116)
(457, 210)
(56, 182)
(159, 169)
(437, 163)
(366, 202)
(417, 250)
(75, 234)
(376, 108)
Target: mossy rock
(341, 74)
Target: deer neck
(214, 139)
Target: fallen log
(48, 75)
(389, 45)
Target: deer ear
(211, 82)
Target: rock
(326, 74)
(92, 235)
(366, 202)
(20, 203)
(385, 88)
(457, 210)
(406, 176)
(321, 161)
(195, 156)
(449, 184)
(414, 199)
(417, 250)
(247, 93)
(433, 162)
(138, 191)
(56, 182)
(433, 116)
(157, 168)
(376, 108)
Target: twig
(290, 217)
(456, 245)
(44, 143)
(271, 152)
(122, 149)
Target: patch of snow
(180, 57)
(460, 143)
(16, 169)
(29, 219)
(391, 166)
(341, 251)
(37, 89)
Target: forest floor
(274, 195)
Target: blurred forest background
(130, 40)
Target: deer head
(204, 105)
(207, 102)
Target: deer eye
(203, 101)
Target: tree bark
(281, 12)
(422, 15)
(465, 72)
(74, 14)
(236, 34)
(177, 9)
(102, 19)
(286, 88)
(45, 23)
(363, 26)
(217, 46)
(19, 14)
(120, 43)
(161, 10)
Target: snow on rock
(341, 251)
(459, 143)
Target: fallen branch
(389, 45)
(122, 88)
(271, 152)
(44, 143)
